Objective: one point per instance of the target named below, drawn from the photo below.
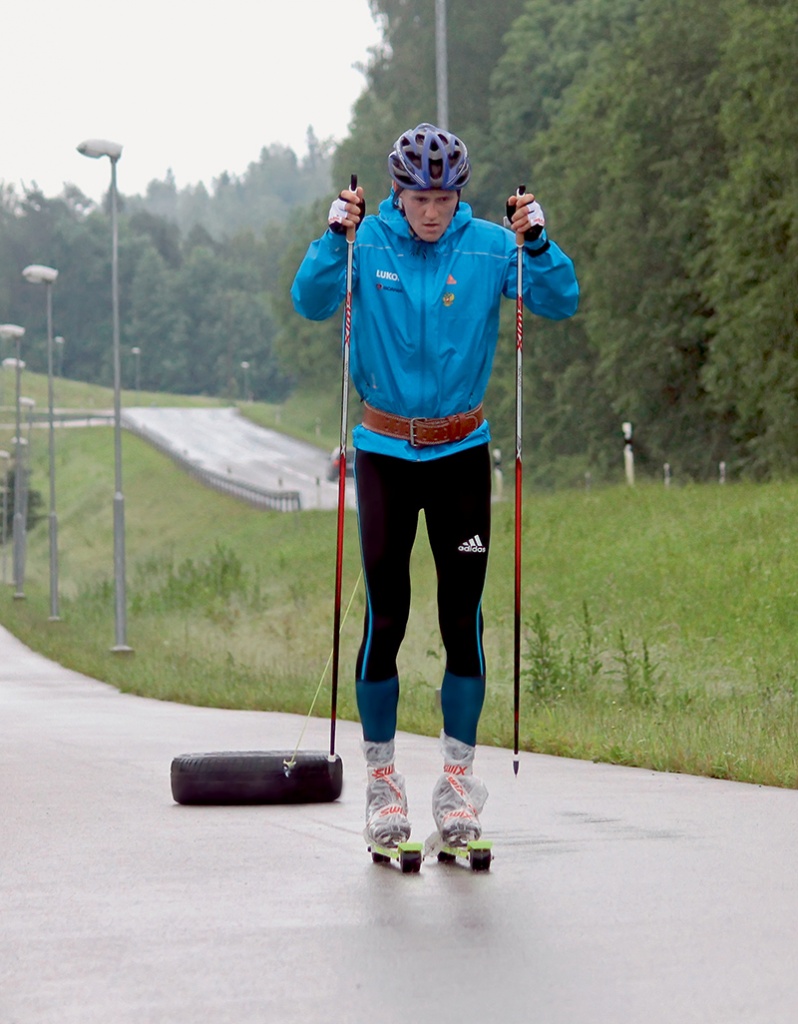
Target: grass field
(658, 622)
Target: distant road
(222, 441)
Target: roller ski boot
(387, 830)
(457, 801)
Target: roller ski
(409, 856)
(457, 800)
(387, 830)
(476, 854)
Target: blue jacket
(425, 315)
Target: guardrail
(79, 417)
(259, 497)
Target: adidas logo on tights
(474, 546)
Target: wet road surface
(617, 896)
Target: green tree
(569, 425)
(633, 155)
(308, 352)
(752, 373)
(156, 324)
(266, 193)
(401, 85)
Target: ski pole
(519, 398)
(339, 553)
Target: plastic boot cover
(458, 796)
(386, 801)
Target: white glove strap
(535, 215)
(338, 212)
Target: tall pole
(19, 488)
(36, 273)
(95, 149)
(15, 333)
(120, 588)
(53, 519)
(5, 457)
(441, 67)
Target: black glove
(338, 213)
(537, 220)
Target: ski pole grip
(519, 235)
(350, 232)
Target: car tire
(257, 777)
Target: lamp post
(96, 148)
(7, 364)
(38, 274)
(2, 385)
(441, 67)
(5, 458)
(15, 333)
(245, 368)
(136, 351)
(22, 485)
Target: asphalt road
(617, 895)
(222, 441)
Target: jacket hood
(396, 221)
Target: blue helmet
(428, 157)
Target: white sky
(191, 85)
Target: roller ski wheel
(477, 854)
(407, 855)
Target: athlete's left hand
(525, 217)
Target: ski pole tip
(515, 765)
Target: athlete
(428, 279)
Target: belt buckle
(412, 428)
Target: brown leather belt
(420, 431)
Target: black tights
(454, 492)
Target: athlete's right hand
(347, 211)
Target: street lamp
(15, 333)
(2, 385)
(96, 148)
(441, 65)
(38, 274)
(5, 458)
(137, 355)
(9, 364)
(22, 483)
(245, 368)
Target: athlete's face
(429, 213)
